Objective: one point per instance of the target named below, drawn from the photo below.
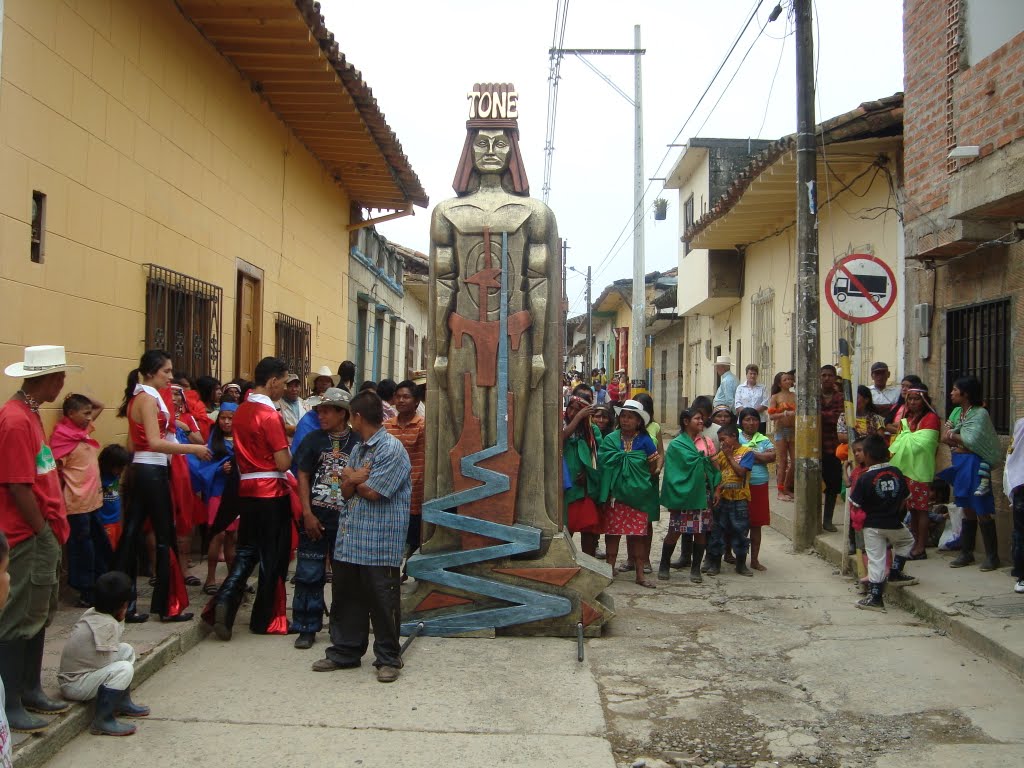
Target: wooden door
(247, 326)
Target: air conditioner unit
(923, 319)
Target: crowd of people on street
(260, 476)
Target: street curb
(38, 750)
(954, 626)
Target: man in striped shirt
(411, 429)
(368, 552)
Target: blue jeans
(735, 518)
(716, 537)
(308, 606)
(89, 552)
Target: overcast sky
(420, 59)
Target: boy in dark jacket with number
(881, 492)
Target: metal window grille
(953, 29)
(183, 317)
(292, 343)
(978, 344)
(410, 351)
(762, 331)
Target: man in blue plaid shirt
(368, 553)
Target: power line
(612, 251)
(554, 75)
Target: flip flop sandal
(210, 589)
(192, 581)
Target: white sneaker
(1019, 589)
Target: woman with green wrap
(689, 482)
(628, 458)
(579, 449)
(913, 453)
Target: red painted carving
(440, 600)
(558, 576)
(484, 334)
(500, 508)
(590, 614)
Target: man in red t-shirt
(33, 518)
(264, 504)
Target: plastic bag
(950, 538)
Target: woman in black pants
(152, 442)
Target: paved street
(779, 669)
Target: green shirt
(689, 475)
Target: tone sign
(860, 288)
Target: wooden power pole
(807, 517)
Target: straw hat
(40, 361)
(323, 371)
(723, 360)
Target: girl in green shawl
(579, 449)
(628, 459)
(690, 480)
(975, 450)
(913, 453)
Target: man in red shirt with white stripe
(264, 535)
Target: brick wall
(989, 99)
(924, 130)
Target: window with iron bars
(762, 332)
(291, 343)
(183, 317)
(688, 220)
(978, 344)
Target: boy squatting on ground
(95, 663)
(880, 494)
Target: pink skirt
(623, 520)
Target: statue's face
(490, 151)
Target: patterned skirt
(690, 521)
(623, 520)
(920, 495)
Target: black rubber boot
(714, 566)
(827, 511)
(12, 672)
(874, 601)
(741, 565)
(108, 700)
(991, 543)
(685, 552)
(32, 696)
(666, 560)
(968, 535)
(697, 554)
(896, 575)
(223, 608)
(128, 708)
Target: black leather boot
(741, 565)
(896, 575)
(32, 696)
(968, 535)
(991, 542)
(12, 672)
(224, 606)
(873, 602)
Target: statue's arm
(541, 263)
(445, 273)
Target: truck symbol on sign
(877, 287)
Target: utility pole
(637, 354)
(590, 327)
(638, 366)
(808, 398)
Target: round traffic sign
(860, 288)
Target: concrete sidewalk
(978, 610)
(155, 643)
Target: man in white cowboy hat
(32, 515)
(726, 394)
(320, 379)
(292, 407)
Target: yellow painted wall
(150, 149)
(850, 225)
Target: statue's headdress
(492, 106)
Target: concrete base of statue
(563, 570)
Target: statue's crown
(493, 105)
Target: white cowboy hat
(324, 371)
(634, 407)
(39, 361)
(723, 360)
